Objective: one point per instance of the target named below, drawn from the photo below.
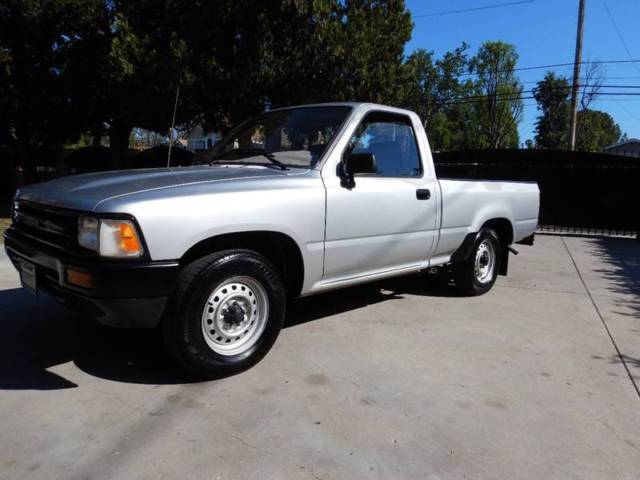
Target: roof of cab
(354, 105)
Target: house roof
(626, 142)
(197, 131)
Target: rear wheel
(226, 313)
(477, 274)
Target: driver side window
(391, 140)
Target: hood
(85, 192)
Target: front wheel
(477, 274)
(226, 313)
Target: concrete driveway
(395, 380)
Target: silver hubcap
(485, 262)
(235, 315)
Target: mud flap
(504, 261)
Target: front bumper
(123, 294)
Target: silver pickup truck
(294, 202)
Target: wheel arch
(503, 228)
(279, 248)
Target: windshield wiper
(272, 158)
(246, 153)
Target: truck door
(388, 220)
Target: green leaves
(45, 70)
(595, 130)
(552, 126)
(466, 102)
(72, 68)
(496, 117)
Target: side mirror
(353, 163)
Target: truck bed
(467, 204)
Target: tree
(552, 95)
(497, 108)
(293, 51)
(226, 53)
(96, 67)
(463, 112)
(592, 83)
(47, 71)
(145, 59)
(76, 66)
(595, 130)
(421, 85)
(375, 32)
(433, 89)
(335, 50)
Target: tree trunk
(119, 134)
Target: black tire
(183, 323)
(464, 273)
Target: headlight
(110, 238)
(88, 228)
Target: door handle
(423, 194)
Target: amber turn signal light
(130, 243)
(80, 279)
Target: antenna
(173, 123)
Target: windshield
(295, 137)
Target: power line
(534, 90)
(621, 78)
(505, 97)
(628, 94)
(409, 80)
(525, 82)
(629, 112)
(598, 85)
(627, 100)
(465, 100)
(473, 9)
(556, 65)
(615, 26)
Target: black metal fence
(583, 193)
(580, 192)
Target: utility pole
(576, 78)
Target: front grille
(54, 226)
